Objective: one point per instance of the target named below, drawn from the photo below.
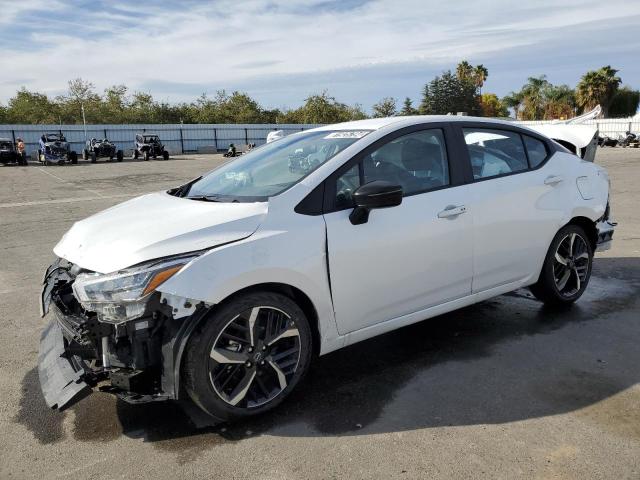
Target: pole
(215, 138)
(246, 137)
(84, 122)
(181, 141)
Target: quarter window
(536, 150)
(494, 152)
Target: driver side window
(416, 161)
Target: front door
(405, 258)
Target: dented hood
(154, 226)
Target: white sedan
(228, 286)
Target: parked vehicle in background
(227, 287)
(9, 154)
(607, 141)
(231, 151)
(147, 145)
(101, 148)
(54, 148)
(628, 139)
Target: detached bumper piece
(61, 381)
(606, 229)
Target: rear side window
(494, 152)
(536, 150)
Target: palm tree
(514, 100)
(598, 87)
(534, 97)
(464, 71)
(480, 74)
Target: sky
(279, 52)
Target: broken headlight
(122, 296)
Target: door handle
(452, 211)
(553, 180)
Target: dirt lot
(504, 389)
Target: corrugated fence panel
(176, 138)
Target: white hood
(154, 226)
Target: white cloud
(229, 42)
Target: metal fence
(176, 138)
(611, 127)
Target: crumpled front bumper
(61, 380)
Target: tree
(385, 108)
(491, 106)
(448, 94)
(480, 74)
(323, 108)
(560, 102)
(407, 108)
(624, 103)
(598, 87)
(32, 108)
(513, 100)
(533, 98)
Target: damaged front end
(114, 333)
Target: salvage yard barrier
(177, 138)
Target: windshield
(274, 167)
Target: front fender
(268, 256)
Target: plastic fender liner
(62, 385)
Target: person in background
(21, 150)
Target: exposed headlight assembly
(122, 296)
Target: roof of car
(377, 123)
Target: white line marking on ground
(67, 181)
(67, 200)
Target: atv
(54, 148)
(9, 155)
(146, 145)
(101, 148)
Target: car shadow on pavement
(503, 360)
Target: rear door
(515, 201)
(405, 258)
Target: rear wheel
(94, 157)
(135, 154)
(567, 267)
(73, 157)
(145, 156)
(119, 155)
(248, 356)
(165, 155)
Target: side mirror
(376, 194)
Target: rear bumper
(606, 228)
(61, 379)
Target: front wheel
(248, 356)
(165, 155)
(567, 267)
(119, 155)
(145, 156)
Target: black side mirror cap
(376, 194)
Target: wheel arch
(589, 226)
(294, 293)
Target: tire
(253, 362)
(145, 155)
(119, 155)
(94, 157)
(85, 154)
(73, 157)
(165, 155)
(135, 154)
(563, 279)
